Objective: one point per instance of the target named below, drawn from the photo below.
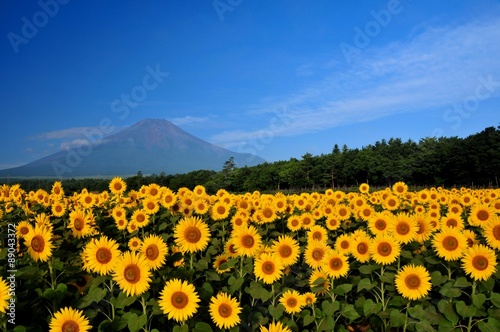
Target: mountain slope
(150, 146)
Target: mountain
(151, 146)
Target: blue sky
(278, 79)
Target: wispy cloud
(431, 71)
(188, 119)
(63, 133)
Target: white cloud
(188, 119)
(64, 133)
(432, 71)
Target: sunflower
(121, 224)
(168, 198)
(58, 208)
(219, 260)
(479, 262)
(275, 327)
(491, 231)
(102, 255)
(268, 214)
(292, 301)
(403, 228)
(117, 186)
(4, 295)
(400, 188)
(155, 250)
(319, 282)
(384, 249)
(224, 311)
(179, 300)
(140, 218)
(268, 268)
(480, 214)
(79, 223)
(360, 247)
(317, 233)
(452, 220)
(294, 223)
(390, 202)
(230, 248)
(343, 244)
(191, 234)
(22, 228)
(247, 241)
(335, 264)
(38, 243)
(201, 206)
(309, 298)
(425, 228)
(413, 282)
(364, 188)
(219, 210)
(379, 221)
(471, 237)
(342, 211)
(86, 199)
(332, 222)
(239, 219)
(449, 244)
(69, 319)
(57, 189)
(307, 220)
(314, 253)
(132, 273)
(150, 205)
(287, 249)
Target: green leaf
(417, 312)
(236, 285)
(478, 299)
(370, 307)
(424, 326)
(276, 311)
(495, 299)
(406, 254)
(308, 319)
(397, 318)
(229, 264)
(258, 292)
(432, 260)
(123, 300)
(449, 291)
(183, 328)
(135, 322)
(437, 278)
(201, 265)
(19, 328)
(464, 310)
(349, 312)
(492, 325)
(365, 283)
(202, 327)
(448, 311)
(367, 269)
(342, 289)
(387, 277)
(462, 282)
(488, 284)
(330, 308)
(212, 276)
(327, 325)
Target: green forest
(473, 161)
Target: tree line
(473, 161)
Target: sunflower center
(24, 230)
(179, 300)
(232, 249)
(268, 213)
(225, 310)
(317, 236)
(78, 224)
(480, 262)
(362, 248)
(421, 228)
(70, 326)
(151, 205)
(451, 223)
(344, 245)
(285, 251)
(391, 202)
(380, 225)
(38, 243)
(317, 254)
(496, 232)
(221, 210)
(88, 199)
(268, 267)
(342, 212)
(482, 215)
(412, 281)
(192, 234)
(118, 186)
(402, 228)
(450, 243)
(384, 249)
(306, 221)
(58, 208)
(247, 241)
(103, 255)
(295, 223)
(291, 302)
(336, 264)
(140, 218)
(132, 273)
(152, 252)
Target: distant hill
(151, 146)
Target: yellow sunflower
(57, 189)
(150, 205)
(400, 188)
(471, 237)
(168, 198)
(332, 222)
(191, 234)
(58, 208)
(342, 211)
(268, 268)
(230, 248)
(219, 210)
(140, 218)
(309, 298)
(390, 202)
(384, 249)
(314, 253)
(379, 221)
(364, 188)
(343, 244)
(4, 295)
(219, 260)
(319, 282)
(413, 282)
(294, 223)
(491, 231)
(452, 220)
(69, 319)
(335, 264)
(479, 262)
(287, 249)
(79, 223)
(102, 255)
(307, 220)
(247, 241)
(425, 228)
(317, 233)
(22, 228)
(201, 206)
(292, 301)
(154, 249)
(132, 273)
(275, 327)
(480, 214)
(224, 311)
(117, 186)
(360, 248)
(121, 223)
(39, 243)
(403, 228)
(179, 300)
(449, 244)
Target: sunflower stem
(469, 325)
(406, 316)
(144, 307)
(52, 282)
(111, 284)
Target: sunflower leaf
(449, 291)
(437, 278)
(342, 289)
(276, 311)
(365, 283)
(202, 327)
(448, 311)
(462, 282)
(397, 318)
(478, 299)
(495, 299)
(464, 310)
(349, 312)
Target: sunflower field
(158, 260)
